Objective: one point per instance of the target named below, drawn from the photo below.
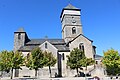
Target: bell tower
(71, 22)
(20, 38)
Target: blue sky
(40, 18)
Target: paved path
(67, 78)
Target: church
(72, 37)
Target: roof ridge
(78, 36)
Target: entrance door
(59, 66)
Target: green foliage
(75, 58)
(35, 60)
(4, 61)
(87, 62)
(111, 61)
(17, 59)
(28, 61)
(10, 61)
(50, 60)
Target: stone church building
(72, 37)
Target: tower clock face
(73, 20)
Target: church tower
(71, 23)
(20, 38)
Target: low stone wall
(44, 72)
(70, 73)
(26, 72)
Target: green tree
(50, 60)
(11, 60)
(28, 61)
(35, 60)
(87, 62)
(4, 61)
(111, 61)
(75, 59)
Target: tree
(111, 61)
(87, 62)
(4, 61)
(11, 60)
(50, 60)
(35, 60)
(28, 60)
(75, 59)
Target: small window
(81, 47)
(73, 30)
(46, 45)
(19, 36)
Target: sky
(39, 18)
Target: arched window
(19, 36)
(46, 45)
(73, 30)
(81, 47)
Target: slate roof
(69, 7)
(62, 48)
(40, 41)
(78, 36)
(97, 57)
(58, 43)
(27, 48)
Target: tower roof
(20, 30)
(69, 6)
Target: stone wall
(26, 72)
(88, 49)
(50, 48)
(42, 72)
(19, 40)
